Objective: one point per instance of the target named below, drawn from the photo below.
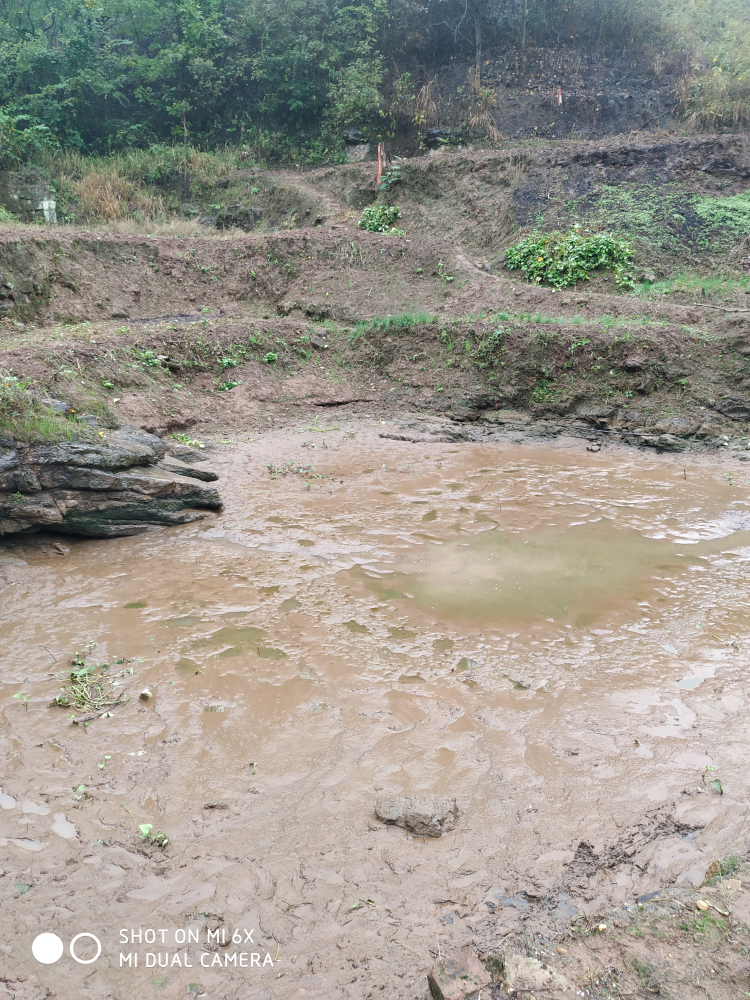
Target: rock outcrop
(101, 490)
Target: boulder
(423, 815)
(98, 490)
(677, 426)
(599, 416)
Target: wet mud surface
(558, 639)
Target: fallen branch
(705, 305)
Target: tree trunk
(478, 40)
(523, 33)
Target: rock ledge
(98, 490)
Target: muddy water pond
(557, 639)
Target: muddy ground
(322, 372)
(319, 644)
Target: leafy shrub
(21, 136)
(353, 94)
(562, 259)
(15, 400)
(380, 219)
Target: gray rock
(185, 453)
(677, 426)
(423, 815)
(735, 409)
(668, 442)
(354, 137)
(172, 464)
(634, 364)
(59, 406)
(98, 490)
(599, 416)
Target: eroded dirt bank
(371, 322)
(556, 638)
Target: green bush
(15, 401)
(562, 259)
(380, 219)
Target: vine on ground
(562, 259)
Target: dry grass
(483, 119)
(713, 102)
(103, 194)
(164, 226)
(425, 104)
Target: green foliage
(404, 321)
(186, 439)
(728, 214)
(106, 75)
(562, 259)
(390, 178)
(27, 419)
(485, 354)
(380, 219)
(22, 135)
(151, 836)
(280, 77)
(15, 400)
(662, 217)
(353, 95)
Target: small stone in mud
(145, 695)
(423, 815)
(216, 805)
(594, 447)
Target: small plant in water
(148, 834)
(186, 439)
(24, 699)
(562, 259)
(146, 830)
(290, 468)
(91, 687)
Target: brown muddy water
(558, 639)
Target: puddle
(572, 574)
(563, 652)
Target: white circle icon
(47, 948)
(86, 961)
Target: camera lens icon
(48, 948)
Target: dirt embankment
(172, 333)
